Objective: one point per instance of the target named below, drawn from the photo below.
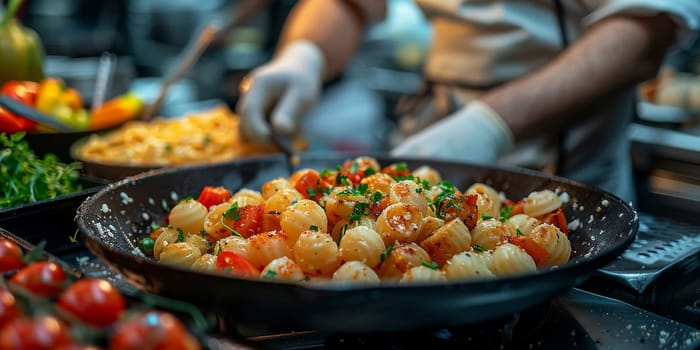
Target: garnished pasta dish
(209, 136)
(363, 223)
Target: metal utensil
(210, 33)
(33, 114)
(105, 71)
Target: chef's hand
(475, 133)
(284, 88)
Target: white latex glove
(284, 89)
(475, 133)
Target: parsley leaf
(386, 253)
(478, 248)
(431, 265)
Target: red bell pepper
(21, 91)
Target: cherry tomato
(93, 301)
(211, 196)
(236, 263)
(153, 330)
(8, 307)
(37, 333)
(537, 252)
(10, 256)
(42, 277)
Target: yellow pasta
(378, 182)
(448, 240)
(422, 273)
(268, 246)
(521, 225)
(316, 253)
(182, 254)
(362, 244)
(273, 186)
(541, 202)
(488, 201)
(430, 224)
(401, 258)
(167, 236)
(213, 226)
(206, 262)
(302, 216)
(468, 265)
(283, 268)
(188, 215)
(246, 197)
(554, 242)
(428, 174)
(275, 205)
(488, 233)
(355, 272)
(409, 192)
(399, 223)
(509, 259)
(209, 136)
(236, 244)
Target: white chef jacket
(478, 44)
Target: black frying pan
(608, 227)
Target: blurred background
(147, 36)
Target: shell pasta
(366, 224)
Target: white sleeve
(686, 14)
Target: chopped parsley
(232, 212)
(505, 213)
(360, 190)
(431, 265)
(478, 248)
(218, 250)
(376, 196)
(342, 233)
(518, 232)
(486, 216)
(203, 233)
(358, 211)
(311, 192)
(402, 166)
(180, 235)
(386, 252)
(325, 173)
(270, 274)
(354, 168)
(313, 228)
(370, 171)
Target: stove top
(643, 300)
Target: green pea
(146, 245)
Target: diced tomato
(248, 220)
(311, 186)
(238, 264)
(376, 208)
(537, 252)
(211, 196)
(558, 219)
(396, 170)
(461, 206)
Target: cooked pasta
(401, 258)
(362, 244)
(422, 273)
(365, 224)
(203, 137)
(448, 240)
(489, 233)
(182, 254)
(188, 215)
(509, 259)
(301, 216)
(399, 223)
(488, 200)
(469, 265)
(355, 272)
(554, 242)
(283, 268)
(316, 253)
(541, 202)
